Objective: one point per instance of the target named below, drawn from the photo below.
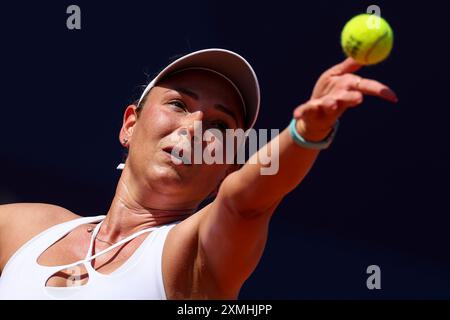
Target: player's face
(170, 114)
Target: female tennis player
(154, 242)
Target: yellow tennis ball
(367, 38)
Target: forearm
(249, 190)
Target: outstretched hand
(336, 90)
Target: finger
(338, 104)
(349, 65)
(375, 88)
(307, 107)
(329, 105)
(347, 99)
(300, 111)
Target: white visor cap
(229, 65)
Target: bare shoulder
(20, 222)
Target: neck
(135, 210)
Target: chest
(74, 247)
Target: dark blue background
(377, 196)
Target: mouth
(177, 156)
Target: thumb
(349, 65)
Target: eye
(222, 126)
(178, 104)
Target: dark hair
(140, 106)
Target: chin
(166, 178)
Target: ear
(129, 121)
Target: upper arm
(20, 222)
(231, 243)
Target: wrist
(310, 135)
(309, 144)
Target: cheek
(153, 125)
(157, 122)
(224, 147)
(215, 144)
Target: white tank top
(140, 277)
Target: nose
(192, 126)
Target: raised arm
(336, 91)
(233, 232)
